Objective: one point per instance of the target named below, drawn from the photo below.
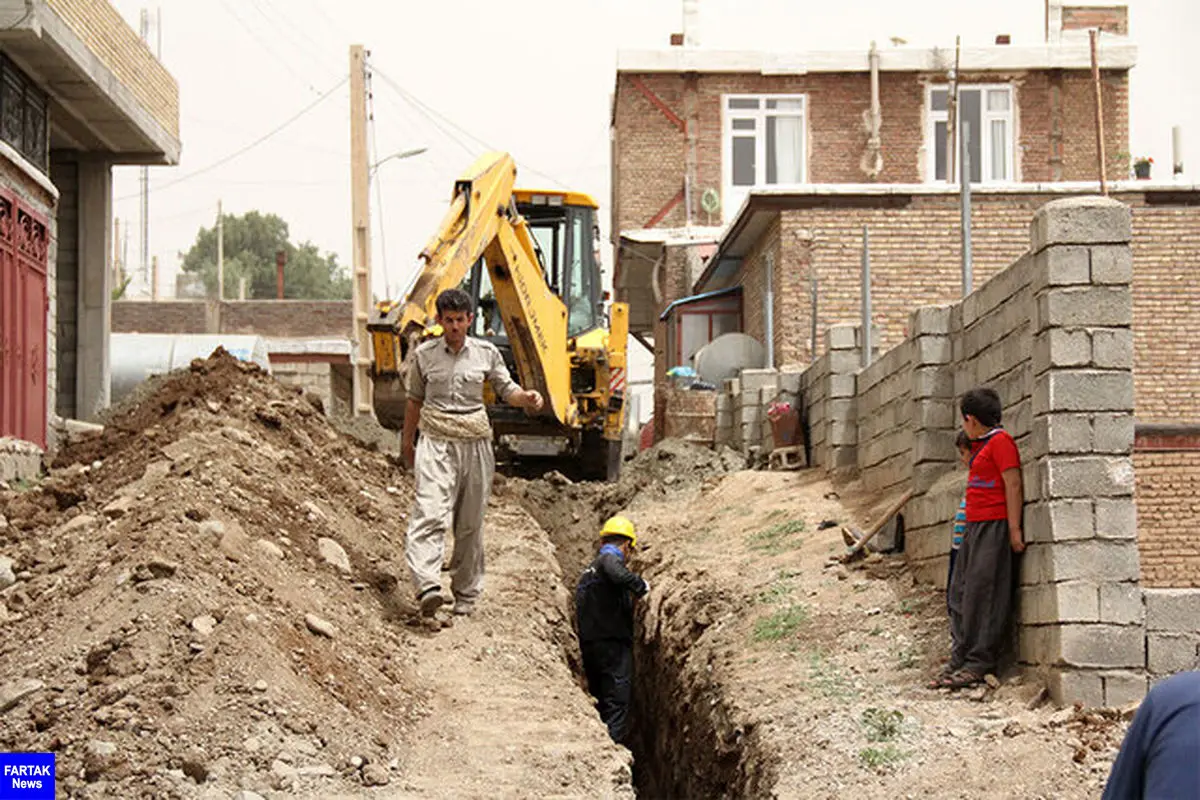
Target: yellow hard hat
(620, 526)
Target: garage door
(24, 246)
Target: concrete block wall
(814, 393)
(1172, 631)
(1052, 334)
(315, 377)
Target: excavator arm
(483, 221)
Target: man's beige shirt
(453, 382)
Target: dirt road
(209, 601)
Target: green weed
(783, 623)
(882, 724)
(907, 657)
(824, 678)
(775, 593)
(878, 629)
(881, 757)
(778, 538)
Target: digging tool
(856, 550)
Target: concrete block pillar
(841, 416)
(93, 371)
(1081, 610)
(758, 388)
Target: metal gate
(24, 302)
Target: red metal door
(24, 246)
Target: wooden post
(280, 261)
(1099, 114)
(360, 213)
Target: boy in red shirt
(981, 592)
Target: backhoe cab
(529, 260)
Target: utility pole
(360, 211)
(220, 253)
(145, 181)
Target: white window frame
(733, 196)
(985, 146)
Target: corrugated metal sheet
(24, 245)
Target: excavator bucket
(390, 401)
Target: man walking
(604, 614)
(453, 463)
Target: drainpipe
(872, 162)
(769, 312)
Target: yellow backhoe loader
(529, 260)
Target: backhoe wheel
(599, 459)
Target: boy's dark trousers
(608, 664)
(981, 596)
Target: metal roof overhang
(640, 257)
(759, 210)
(90, 108)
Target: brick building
(695, 132)
(674, 118)
(79, 92)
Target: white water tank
(136, 356)
(727, 355)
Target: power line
(242, 151)
(387, 286)
(309, 51)
(424, 107)
(268, 48)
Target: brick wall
(1054, 126)
(298, 319)
(105, 33)
(915, 260)
(1109, 19)
(1168, 502)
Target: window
(580, 297)
(764, 141)
(986, 111)
(23, 114)
(695, 322)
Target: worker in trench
(453, 463)
(604, 615)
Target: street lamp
(416, 151)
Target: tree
(251, 242)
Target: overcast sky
(533, 77)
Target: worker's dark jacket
(604, 597)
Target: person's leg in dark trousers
(609, 668)
(987, 597)
(949, 610)
(950, 576)
(955, 596)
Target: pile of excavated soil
(205, 599)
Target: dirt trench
(687, 740)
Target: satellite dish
(710, 201)
(727, 355)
